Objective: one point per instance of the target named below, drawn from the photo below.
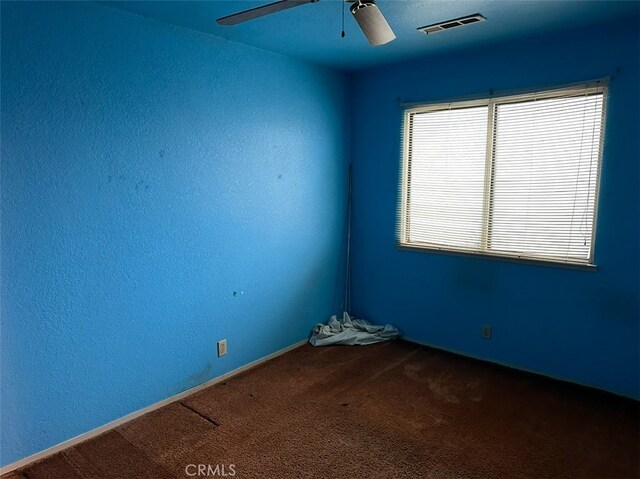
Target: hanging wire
(347, 292)
(575, 193)
(343, 5)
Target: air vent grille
(449, 24)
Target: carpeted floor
(392, 410)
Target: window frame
(594, 87)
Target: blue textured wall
(577, 325)
(161, 190)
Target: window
(513, 176)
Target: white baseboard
(129, 417)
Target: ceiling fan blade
(372, 22)
(261, 11)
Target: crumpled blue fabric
(351, 331)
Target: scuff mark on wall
(194, 380)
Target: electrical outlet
(222, 347)
(486, 331)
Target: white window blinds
(513, 176)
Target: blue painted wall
(577, 325)
(161, 189)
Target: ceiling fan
(366, 12)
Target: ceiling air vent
(449, 24)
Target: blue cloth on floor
(351, 331)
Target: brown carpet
(391, 410)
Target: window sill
(500, 257)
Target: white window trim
(597, 86)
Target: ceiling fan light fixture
(372, 22)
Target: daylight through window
(512, 176)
